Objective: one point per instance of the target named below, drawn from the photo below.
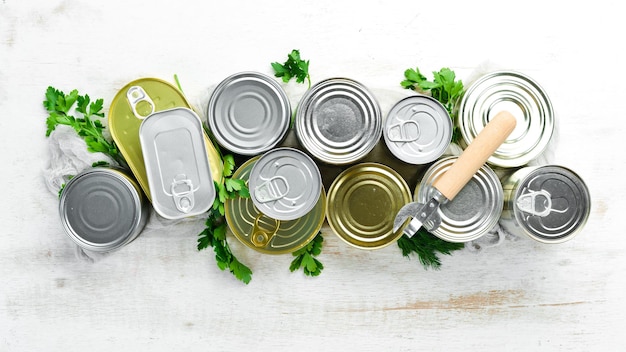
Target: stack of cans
(338, 123)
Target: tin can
(363, 202)
(522, 97)
(550, 203)
(103, 209)
(249, 113)
(271, 236)
(155, 95)
(176, 161)
(474, 211)
(418, 129)
(338, 121)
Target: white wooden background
(160, 293)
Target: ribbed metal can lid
(551, 203)
(285, 184)
(286, 236)
(249, 113)
(474, 211)
(363, 202)
(338, 121)
(102, 209)
(418, 129)
(522, 97)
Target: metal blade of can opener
(414, 215)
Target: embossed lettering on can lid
(249, 113)
(521, 96)
(473, 212)
(338, 121)
(102, 209)
(552, 204)
(418, 129)
(241, 215)
(285, 184)
(177, 166)
(363, 202)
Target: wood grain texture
(160, 293)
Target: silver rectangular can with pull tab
(174, 152)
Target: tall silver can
(473, 212)
(103, 209)
(550, 203)
(338, 121)
(521, 96)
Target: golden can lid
(267, 235)
(363, 202)
(124, 124)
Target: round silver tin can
(522, 97)
(249, 113)
(338, 121)
(550, 203)
(285, 184)
(474, 211)
(103, 209)
(418, 129)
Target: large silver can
(474, 211)
(103, 209)
(338, 121)
(525, 99)
(550, 203)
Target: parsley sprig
(293, 67)
(60, 107)
(444, 88)
(305, 257)
(426, 246)
(214, 234)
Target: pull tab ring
(538, 203)
(270, 190)
(135, 96)
(261, 237)
(405, 134)
(183, 198)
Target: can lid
(418, 129)
(285, 184)
(522, 97)
(552, 204)
(289, 236)
(177, 165)
(101, 209)
(363, 202)
(338, 121)
(474, 211)
(249, 113)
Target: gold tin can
(267, 235)
(550, 203)
(124, 124)
(363, 202)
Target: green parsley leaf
(293, 67)
(305, 257)
(426, 246)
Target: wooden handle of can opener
(476, 154)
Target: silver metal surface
(177, 165)
(522, 97)
(285, 184)
(338, 121)
(550, 204)
(249, 113)
(415, 215)
(418, 129)
(103, 209)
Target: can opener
(414, 215)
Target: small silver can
(473, 212)
(418, 129)
(550, 203)
(521, 96)
(177, 164)
(338, 121)
(249, 113)
(103, 209)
